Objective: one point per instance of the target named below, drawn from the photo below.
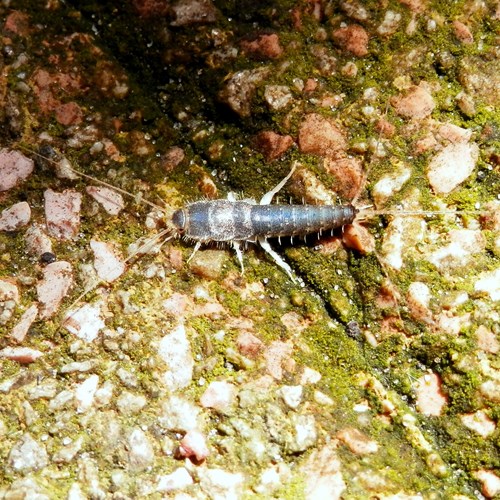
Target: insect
(246, 220)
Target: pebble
(430, 399)
(189, 12)
(417, 103)
(357, 442)
(67, 453)
(490, 482)
(175, 350)
(14, 168)
(292, 395)
(15, 217)
(194, 446)
(179, 479)
(322, 474)
(275, 356)
(21, 328)
(27, 455)
(85, 322)
(219, 484)
(108, 265)
(62, 213)
(111, 201)
(320, 136)
(271, 144)
(9, 297)
(129, 403)
(179, 414)
(353, 39)
(277, 97)
(219, 395)
(486, 340)
(240, 89)
(140, 450)
(489, 282)
(37, 240)
(54, 286)
(418, 300)
(390, 184)
(265, 46)
(452, 166)
(208, 263)
(463, 244)
(23, 355)
(479, 422)
(85, 392)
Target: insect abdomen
(291, 220)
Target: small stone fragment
(20, 330)
(190, 12)
(418, 300)
(62, 213)
(217, 483)
(479, 422)
(271, 144)
(107, 264)
(486, 340)
(463, 33)
(320, 136)
(219, 395)
(177, 480)
(84, 322)
(54, 286)
(416, 104)
(208, 263)
(193, 445)
(27, 455)
(490, 482)
(9, 297)
(276, 355)
(110, 200)
(240, 89)
(15, 217)
(84, 393)
(37, 241)
(266, 46)
(14, 168)
(175, 350)
(430, 398)
(357, 442)
(452, 166)
(277, 97)
(464, 243)
(353, 39)
(489, 283)
(140, 450)
(23, 355)
(292, 395)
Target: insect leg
(237, 249)
(268, 197)
(267, 247)
(196, 248)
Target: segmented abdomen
(222, 220)
(292, 220)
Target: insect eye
(179, 220)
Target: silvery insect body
(237, 222)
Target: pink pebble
(15, 217)
(193, 445)
(22, 355)
(110, 200)
(62, 212)
(56, 282)
(14, 168)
